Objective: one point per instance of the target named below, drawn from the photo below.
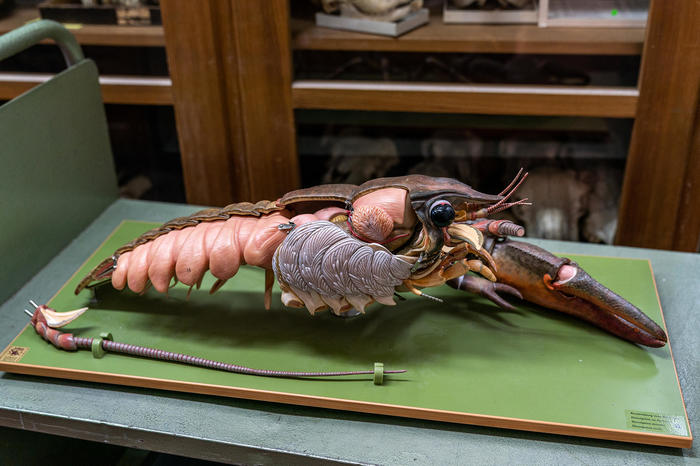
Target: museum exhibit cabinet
(238, 128)
(235, 95)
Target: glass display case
(478, 101)
(267, 101)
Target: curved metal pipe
(31, 34)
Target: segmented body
(344, 246)
(218, 240)
(322, 265)
(363, 243)
(105, 269)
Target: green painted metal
(31, 34)
(57, 173)
(464, 356)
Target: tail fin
(102, 271)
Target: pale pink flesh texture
(220, 246)
(566, 273)
(392, 200)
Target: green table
(246, 431)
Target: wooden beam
(230, 63)
(687, 235)
(466, 98)
(198, 70)
(662, 167)
(136, 90)
(265, 118)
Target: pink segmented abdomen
(220, 246)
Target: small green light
(613, 12)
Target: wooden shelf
(437, 37)
(92, 34)
(589, 101)
(458, 121)
(134, 90)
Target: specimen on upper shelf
(377, 10)
(571, 205)
(562, 203)
(384, 17)
(356, 157)
(343, 246)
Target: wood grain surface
(657, 208)
(93, 34)
(115, 89)
(476, 38)
(687, 234)
(231, 70)
(465, 98)
(264, 119)
(197, 70)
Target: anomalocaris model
(344, 246)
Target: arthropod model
(345, 246)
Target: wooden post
(263, 51)
(230, 63)
(687, 235)
(659, 206)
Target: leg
(488, 289)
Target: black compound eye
(442, 213)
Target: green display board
(467, 360)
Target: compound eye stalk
(442, 213)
